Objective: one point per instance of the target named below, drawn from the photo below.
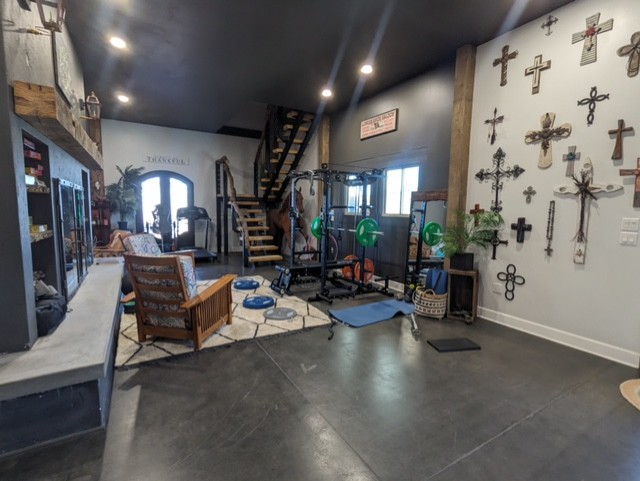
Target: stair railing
(226, 195)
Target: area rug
(247, 324)
(631, 392)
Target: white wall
(126, 143)
(592, 306)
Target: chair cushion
(141, 245)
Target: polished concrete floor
(371, 404)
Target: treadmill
(185, 242)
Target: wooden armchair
(168, 303)
(115, 248)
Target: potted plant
(469, 230)
(124, 195)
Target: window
(399, 185)
(354, 198)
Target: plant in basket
(469, 230)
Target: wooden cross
(545, 136)
(590, 37)
(506, 56)
(570, 157)
(584, 189)
(617, 151)
(636, 172)
(474, 212)
(528, 192)
(548, 24)
(520, 227)
(591, 102)
(633, 52)
(535, 70)
(497, 174)
(495, 120)
(495, 242)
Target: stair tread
(247, 203)
(263, 248)
(252, 228)
(255, 219)
(300, 129)
(266, 179)
(279, 150)
(253, 211)
(267, 258)
(259, 237)
(286, 162)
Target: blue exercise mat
(360, 316)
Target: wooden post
(324, 144)
(461, 131)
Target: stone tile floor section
(247, 324)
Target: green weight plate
(365, 232)
(432, 233)
(316, 227)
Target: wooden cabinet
(101, 222)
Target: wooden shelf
(40, 236)
(44, 109)
(34, 189)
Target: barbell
(367, 231)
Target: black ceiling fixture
(54, 25)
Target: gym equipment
(316, 227)
(367, 231)
(350, 272)
(193, 214)
(246, 284)
(360, 316)
(432, 233)
(454, 344)
(280, 314)
(258, 302)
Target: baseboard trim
(597, 348)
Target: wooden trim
(428, 196)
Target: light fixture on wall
(91, 106)
(50, 24)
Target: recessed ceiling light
(366, 69)
(117, 42)
(123, 98)
(326, 93)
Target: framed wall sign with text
(380, 124)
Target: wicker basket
(430, 304)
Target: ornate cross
(495, 120)
(497, 174)
(520, 227)
(591, 102)
(636, 172)
(617, 151)
(503, 60)
(548, 24)
(545, 136)
(474, 212)
(495, 242)
(584, 189)
(570, 157)
(535, 70)
(528, 192)
(590, 37)
(511, 280)
(633, 52)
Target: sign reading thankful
(380, 124)
(166, 159)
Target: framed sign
(62, 66)
(380, 124)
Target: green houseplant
(124, 195)
(469, 230)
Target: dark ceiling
(202, 64)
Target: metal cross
(495, 242)
(503, 60)
(520, 227)
(548, 23)
(511, 280)
(536, 70)
(585, 189)
(495, 120)
(591, 102)
(636, 172)
(528, 192)
(570, 157)
(545, 136)
(617, 151)
(590, 37)
(633, 52)
(497, 174)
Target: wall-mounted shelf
(44, 109)
(40, 236)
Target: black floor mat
(453, 345)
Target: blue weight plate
(258, 302)
(246, 284)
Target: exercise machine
(194, 214)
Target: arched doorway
(163, 193)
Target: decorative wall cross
(495, 120)
(548, 24)
(590, 37)
(495, 242)
(591, 102)
(536, 70)
(528, 192)
(584, 189)
(633, 52)
(520, 227)
(497, 174)
(550, 221)
(511, 280)
(502, 61)
(474, 212)
(545, 136)
(636, 172)
(570, 158)
(617, 150)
